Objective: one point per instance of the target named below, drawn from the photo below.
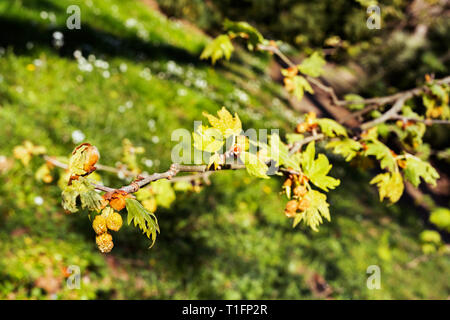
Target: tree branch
(392, 112)
(372, 103)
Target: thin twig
(426, 121)
(298, 145)
(392, 112)
(372, 103)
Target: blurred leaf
(254, 165)
(331, 128)
(217, 49)
(164, 192)
(430, 236)
(441, 218)
(348, 148)
(354, 97)
(25, 152)
(244, 30)
(313, 65)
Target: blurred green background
(132, 72)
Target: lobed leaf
(318, 209)
(254, 165)
(331, 128)
(225, 122)
(244, 30)
(381, 152)
(317, 169)
(417, 168)
(313, 65)
(81, 189)
(145, 220)
(348, 148)
(220, 47)
(390, 185)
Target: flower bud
(99, 224)
(114, 221)
(104, 242)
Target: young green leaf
(145, 220)
(83, 189)
(348, 148)
(416, 169)
(217, 49)
(381, 152)
(164, 193)
(208, 139)
(313, 65)
(331, 128)
(298, 85)
(317, 170)
(225, 122)
(254, 165)
(279, 152)
(294, 137)
(244, 30)
(83, 159)
(390, 185)
(318, 209)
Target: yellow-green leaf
(225, 122)
(254, 165)
(390, 185)
(220, 47)
(416, 169)
(317, 210)
(145, 220)
(317, 169)
(208, 139)
(331, 128)
(313, 65)
(348, 148)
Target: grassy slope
(229, 241)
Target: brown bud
(287, 183)
(401, 163)
(291, 206)
(291, 72)
(301, 127)
(303, 204)
(116, 199)
(300, 191)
